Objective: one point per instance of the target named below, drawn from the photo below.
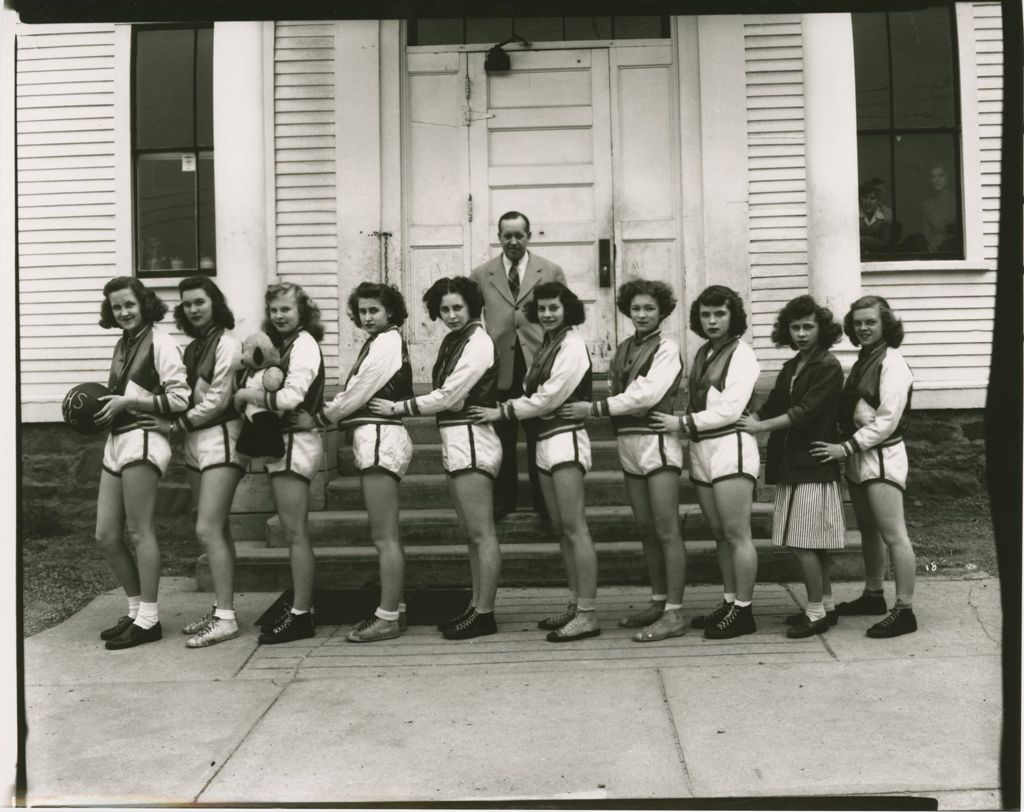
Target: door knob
(605, 259)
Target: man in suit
(507, 282)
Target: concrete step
(426, 459)
(262, 568)
(431, 490)
(441, 526)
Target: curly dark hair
(222, 315)
(151, 306)
(892, 327)
(571, 304)
(462, 286)
(309, 313)
(388, 295)
(659, 291)
(829, 330)
(720, 295)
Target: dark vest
(632, 360)
(399, 387)
(706, 374)
(863, 383)
(134, 361)
(482, 392)
(538, 373)
(200, 359)
(314, 400)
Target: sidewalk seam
(820, 637)
(675, 733)
(241, 741)
(977, 617)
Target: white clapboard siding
(306, 227)
(65, 206)
(777, 172)
(988, 39)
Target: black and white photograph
(528, 409)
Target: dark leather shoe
(807, 627)
(123, 623)
(833, 618)
(135, 636)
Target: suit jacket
(505, 317)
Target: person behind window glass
(939, 213)
(875, 226)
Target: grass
(62, 570)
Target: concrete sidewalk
(511, 717)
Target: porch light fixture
(497, 61)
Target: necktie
(513, 281)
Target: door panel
(437, 229)
(540, 143)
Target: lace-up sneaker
(199, 623)
(473, 625)
(282, 615)
(792, 620)
(712, 617)
(216, 631)
(403, 624)
(739, 620)
(558, 621)
(899, 621)
(864, 605)
(644, 617)
(376, 630)
(581, 626)
(670, 624)
(452, 621)
(291, 627)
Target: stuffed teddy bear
(261, 429)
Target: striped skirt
(809, 515)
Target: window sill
(977, 265)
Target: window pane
(163, 88)
(207, 229)
(871, 67)
(928, 194)
(166, 212)
(588, 27)
(879, 228)
(204, 87)
(539, 29)
(490, 30)
(922, 68)
(637, 27)
(438, 32)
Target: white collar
(507, 263)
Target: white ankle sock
(729, 597)
(295, 611)
(586, 605)
(671, 607)
(659, 598)
(401, 608)
(815, 611)
(133, 606)
(384, 614)
(828, 602)
(741, 604)
(148, 615)
(224, 614)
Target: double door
(583, 141)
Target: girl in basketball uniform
(464, 376)
(380, 444)
(560, 373)
(210, 426)
(146, 377)
(644, 376)
(293, 324)
(874, 413)
(724, 461)
(801, 409)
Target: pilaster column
(240, 155)
(830, 109)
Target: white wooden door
(583, 141)
(540, 143)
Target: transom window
(172, 115)
(491, 30)
(908, 135)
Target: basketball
(81, 404)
